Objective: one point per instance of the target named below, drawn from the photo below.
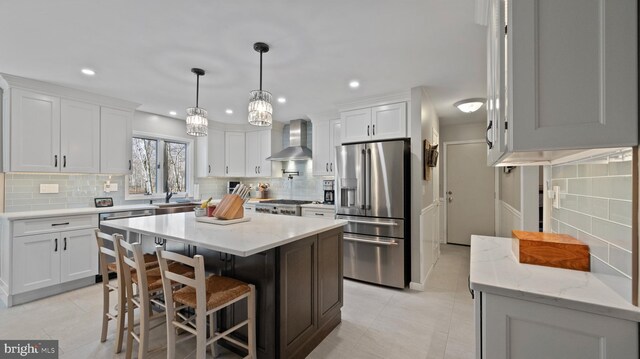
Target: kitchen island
(294, 262)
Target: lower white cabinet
(515, 328)
(318, 213)
(43, 260)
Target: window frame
(189, 166)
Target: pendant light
(260, 109)
(197, 123)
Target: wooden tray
(222, 222)
(551, 250)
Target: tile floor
(376, 322)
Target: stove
(287, 207)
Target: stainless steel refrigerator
(372, 194)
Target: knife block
(230, 207)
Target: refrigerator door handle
(390, 224)
(381, 243)
(364, 180)
(368, 181)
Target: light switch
(556, 196)
(49, 188)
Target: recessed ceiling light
(173, 113)
(229, 111)
(88, 72)
(354, 84)
(469, 105)
(282, 100)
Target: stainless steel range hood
(297, 150)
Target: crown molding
(404, 96)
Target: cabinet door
(356, 125)
(252, 154)
(335, 141)
(36, 261)
(264, 165)
(389, 121)
(203, 168)
(514, 328)
(330, 289)
(35, 132)
(79, 255)
(321, 147)
(574, 73)
(216, 153)
(234, 154)
(496, 82)
(79, 137)
(115, 140)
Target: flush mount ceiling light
(282, 100)
(228, 111)
(197, 123)
(88, 72)
(173, 113)
(354, 84)
(260, 109)
(469, 105)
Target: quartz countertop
(11, 216)
(319, 206)
(495, 269)
(261, 233)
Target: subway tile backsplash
(595, 207)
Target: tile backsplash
(595, 207)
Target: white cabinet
(375, 123)
(115, 140)
(79, 256)
(35, 132)
(515, 328)
(258, 148)
(234, 152)
(249, 208)
(36, 262)
(211, 158)
(326, 136)
(79, 137)
(563, 76)
(318, 213)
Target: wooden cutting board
(222, 222)
(551, 250)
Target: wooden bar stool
(109, 263)
(206, 295)
(149, 283)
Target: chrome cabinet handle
(227, 169)
(65, 244)
(368, 130)
(259, 169)
(209, 168)
(486, 136)
(255, 170)
(56, 248)
(381, 243)
(56, 161)
(319, 214)
(374, 130)
(59, 224)
(64, 161)
(331, 165)
(130, 165)
(327, 166)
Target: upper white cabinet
(258, 148)
(234, 152)
(35, 132)
(211, 159)
(562, 76)
(374, 123)
(115, 140)
(79, 137)
(326, 136)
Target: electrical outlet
(49, 188)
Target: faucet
(167, 196)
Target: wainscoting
(508, 219)
(430, 241)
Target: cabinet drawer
(54, 224)
(319, 213)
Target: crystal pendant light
(197, 123)
(260, 109)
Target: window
(158, 166)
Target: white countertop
(319, 206)
(261, 233)
(495, 269)
(11, 216)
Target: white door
(79, 255)
(79, 137)
(321, 147)
(335, 140)
(115, 140)
(36, 261)
(35, 132)
(356, 125)
(264, 165)
(389, 121)
(469, 193)
(234, 154)
(252, 148)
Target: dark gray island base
(299, 290)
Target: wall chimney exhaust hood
(297, 150)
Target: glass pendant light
(260, 109)
(197, 123)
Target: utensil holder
(231, 207)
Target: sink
(174, 208)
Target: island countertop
(495, 269)
(261, 233)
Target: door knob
(450, 199)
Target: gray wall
(510, 187)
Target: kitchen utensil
(230, 207)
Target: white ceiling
(143, 51)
